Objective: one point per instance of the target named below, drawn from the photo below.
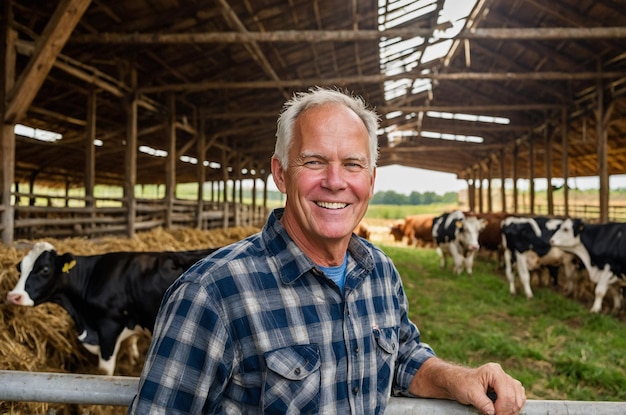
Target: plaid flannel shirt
(257, 328)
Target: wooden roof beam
(253, 48)
(47, 48)
(369, 79)
(318, 36)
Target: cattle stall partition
(23, 386)
(69, 216)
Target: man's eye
(354, 166)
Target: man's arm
(469, 386)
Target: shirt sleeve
(413, 353)
(190, 357)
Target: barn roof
(222, 69)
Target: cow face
(568, 235)
(40, 273)
(468, 230)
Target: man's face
(328, 182)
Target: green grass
(552, 344)
(402, 211)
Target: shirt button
(297, 371)
(356, 349)
(355, 390)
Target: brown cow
(490, 238)
(362, 230)
(418, 229)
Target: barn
(132, 94)
(135, 93)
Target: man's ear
(278, 174)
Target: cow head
(41, 272)
(397, 231)
(468, 230)
(568, 235)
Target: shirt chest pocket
(292, 380)
(387, 343)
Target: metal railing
(20, 386)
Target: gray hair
(315, 96)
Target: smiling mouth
(333, 205)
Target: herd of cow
(525, 244)
(112, 296)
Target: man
(305, 317)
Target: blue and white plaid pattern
(256, 328)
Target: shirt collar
(291, 260)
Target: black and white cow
(526, 243)
(457, 234)
(602, 249)
(110, 296)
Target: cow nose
(14, 298)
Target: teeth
(329, 205)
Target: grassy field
(551, 343)
(394, 212)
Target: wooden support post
(201, 174)
(489, 180)
(531, 172)
(515, 177)
(90, 148)
(8, 36)
(479, 188)
(565, 159)
(225, 192)
(170, 169)
(547, 136)
(603, 170)
(130, 176)
(502, 181)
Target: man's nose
(334, 177)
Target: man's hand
(470, 386)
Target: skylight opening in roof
(153, 151)
(406, 55)
(436, 51)
(468, 117)
(393, 114)
(420, 85)
(396, 137)
(36, 133)
(452, 137)
(188, 159)
(393, 13)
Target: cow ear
(67, 262)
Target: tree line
(388, 197)
(391, 197)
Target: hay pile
(44, 338)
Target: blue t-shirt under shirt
(338, 273)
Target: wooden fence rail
(19, 386)
(59, 217)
